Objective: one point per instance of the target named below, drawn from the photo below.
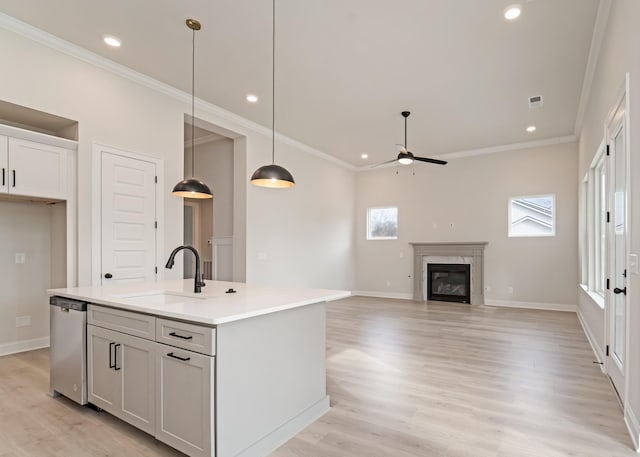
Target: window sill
(597, 298)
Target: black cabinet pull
(184, 359)
(14, 178)
(115, 358)
(181, 336)
(3, 177)
(111, 364)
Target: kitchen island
(236, 370)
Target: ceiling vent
(535, 101)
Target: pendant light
(273, 175)
(192, 187)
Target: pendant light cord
(273, 84)
(193, 100)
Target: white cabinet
(146, 371)
(185, 400)
(33, 169)
(121, 378)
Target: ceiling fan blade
(426, 159)
(401, 148)
(384, 163)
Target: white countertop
(175, 299)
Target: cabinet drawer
(135, 324)
(187, 336)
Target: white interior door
(617, 233)
(128, 219)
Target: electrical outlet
(23, 321)
(401, 254)
(633, 264)
(21, 257)
(487, 288)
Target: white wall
(308, 228)
(618, 55)
(28, 228)
(123, 113)
(472, 195)
(214, 164)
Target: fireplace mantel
(475, 250)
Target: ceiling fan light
(192, 188)
(273, 176)
(405, 161)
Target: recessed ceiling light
(512, 12)
(364, 156)
(531, 128)
(112, 41)
(251, 98)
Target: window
(600, 224)
(532, 216)
(382, 223)
(594, 218)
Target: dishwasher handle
(66, 304)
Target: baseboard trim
(532, 305)
(23, 346)
(377, 294)
(595, 347)
(284, 433)
(633, 425)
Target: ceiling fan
(405, 157)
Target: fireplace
(467, 253)
(449, 282)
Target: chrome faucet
(198, 282)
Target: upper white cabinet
(33, 169)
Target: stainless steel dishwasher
(68, 332)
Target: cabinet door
(136, 359)
(4, 164)
(185, 406)
(122, 376)
(37, 170)
(103, 381)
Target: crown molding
(213, 138)
(51, 41)
(509, 147)
(599, 30)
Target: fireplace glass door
(449, 282)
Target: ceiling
(346, 69)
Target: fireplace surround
(472, 252)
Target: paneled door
(128, 219)
(616, 300)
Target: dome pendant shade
(273, 176)
(192, 188)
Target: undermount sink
(162, 297)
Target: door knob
(620, 291)
(108, 275)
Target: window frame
(369, 237)
(510, 234)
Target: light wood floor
(406, 379)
